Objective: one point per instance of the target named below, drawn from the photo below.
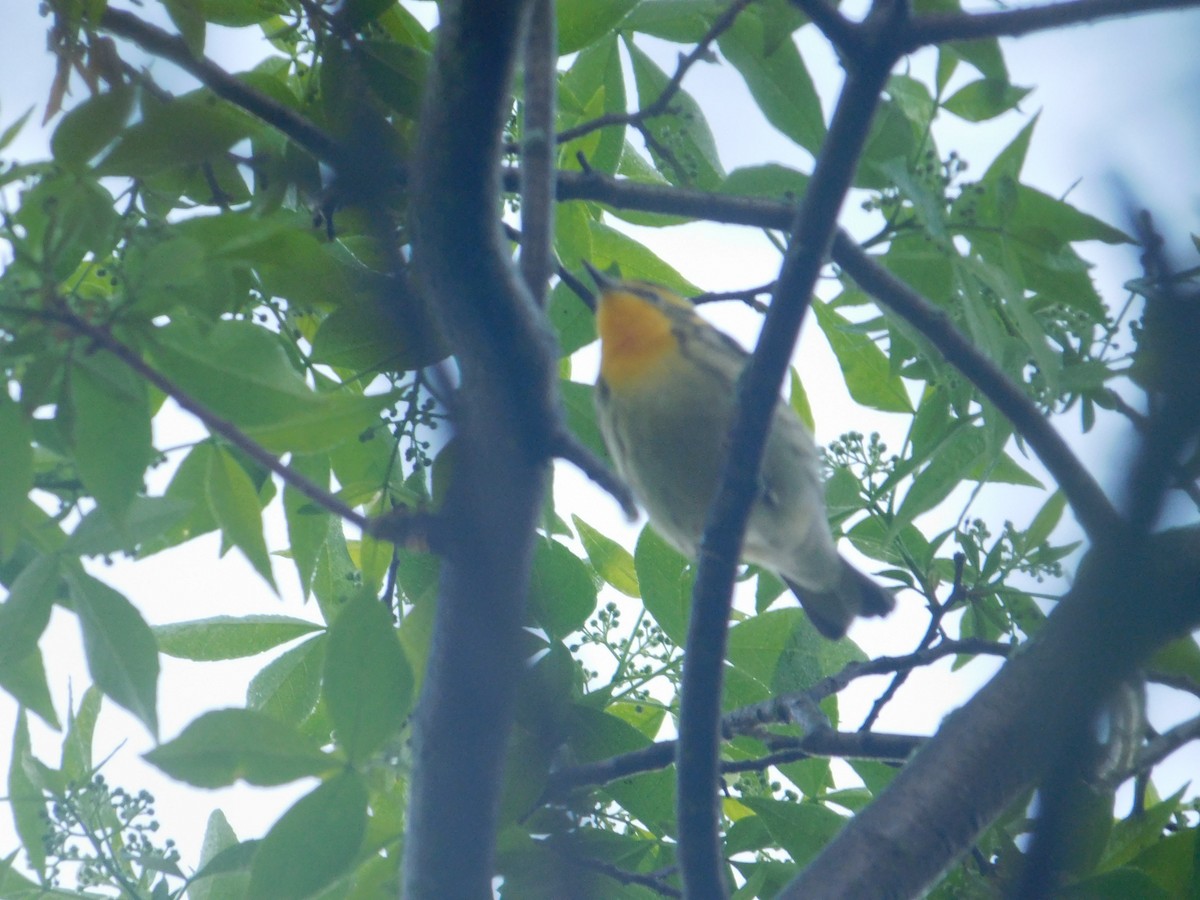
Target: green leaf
(111, 430)
(864, 367)
(334, 578)
(581, 417)
(912, 97)
(235, 506)
(1180, 657)
(224, 745)
(777, 78)
(782, 650)
(691, 153)
(219, 837)
(395, 72)
(25, 798)
(229, 637)
(592, 87)
(1038, 214)
(242, 372)
(767, 180)
(239, 14)
(583, 22)
(666, 580)
(1046, 519)
(365, 335)
(634, 259)
(91, 126)
(77, 763)
(121, 653)
(1002, 469)
(146, 519)
(16, 475)
(188, 17)
(14, 884)
(984, 99)
(313, 843)
(10, 133)
(951, 462)
(802, 829)
(368, 682)
(681, 21)
(571, 319)
(187, 130)
(289, 687)
(25, 679)
(562, 593)
(798, 401)
(610, 560)
(26, 613)
(307, 523)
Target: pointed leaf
(16, 475)
(229, 637)
(665, 580)
(111, 431)
(121, 653)
(316, 841)
(612, 561)
(864, 367)
(562, 593)
(777, 78)
(224, 745)
(234, 504)
(289, 687)
(368, 682)
(219, 837)
(25, 798)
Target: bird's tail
(833, 611)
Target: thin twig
(662, 102)
(163, 44)
(935, 624)
(104, 339)
(1156, 750)
(704, 660)
(565, 445)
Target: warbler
(665, 401)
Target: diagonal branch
(1090, 505)
(106, 340)
(926, 31)
(163, 44)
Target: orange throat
(635, 337)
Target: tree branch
(537, 148)
(1091, 507)
(104, 339)
(505, 415)
(662, 102)
(925, 31)
(704, 659)
(167, 46)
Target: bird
(665, 400)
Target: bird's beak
(602, 281)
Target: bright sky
(1111, 96)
